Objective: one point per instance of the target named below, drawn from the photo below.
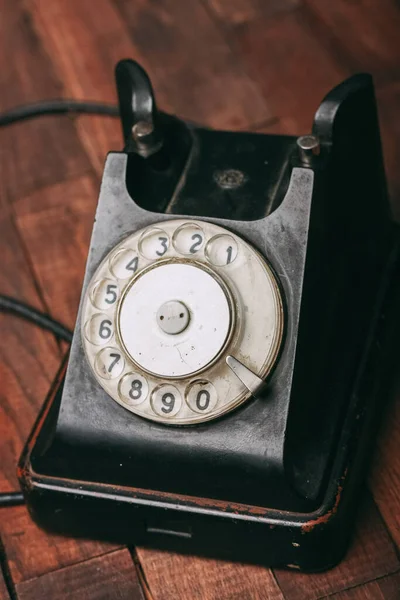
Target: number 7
(116, 358)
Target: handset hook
(138, 110)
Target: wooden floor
(237, 64)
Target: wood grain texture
(371, 555)
(237, 12)
(194, 71)
(286, 59)
(31, 552)
(85, 43)
(39, 152)
(4, 595)
(171, 576)
(385, 473)
(28, 357)
(261, 65)
(388, 106)
(107, 577)
(63, 215)
(387, 588)
(365, 33)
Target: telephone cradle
(234, 343)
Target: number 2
(197, 238)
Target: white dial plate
(149, 328)
(164, 310)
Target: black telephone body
(234, 341)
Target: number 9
(168, 402)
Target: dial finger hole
(99, 329)
(133, 389)
(124, 263)
(166, 400)
(188, 239)
(104, 294)
(109, 363)
(201, 396)
(221, 250)
(153, 243)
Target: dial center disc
(175, 319)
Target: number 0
(203, 400)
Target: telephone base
(309, 541)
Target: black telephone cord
(11, 305)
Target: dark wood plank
(385, 474)
(387, 588)
(32, 553)
(237, 12)
(63, 215)
(31, 155)
(208, 65)
(110, 576)
(388, 105)
(176, 577)
(370, 556)
(4, 595)
(39, 152)
(194, 71)
(29, 357)
(365, 33)
(85, 43)
(286, 59)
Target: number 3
(164, 244)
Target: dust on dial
(182, 322)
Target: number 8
(136, 389)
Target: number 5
(110, 291)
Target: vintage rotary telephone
(233, 340)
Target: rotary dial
(182, 322)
